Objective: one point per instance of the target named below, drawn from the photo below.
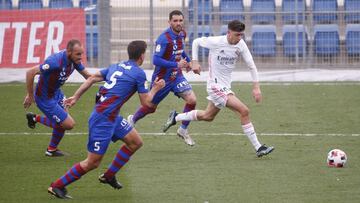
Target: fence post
(104, 33)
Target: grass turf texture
(220, 168)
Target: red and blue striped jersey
(169, 50)
(55, 70)
(122, 80)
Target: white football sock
(188, 116)
(251, 134)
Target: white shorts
(218, 95)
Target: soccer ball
(336, 158)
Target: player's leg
(57, 188)
(195, 115)
(37, 118)
(190, 103)
(32, 118)
(100, 133)
(142, 111)
(57, 135)
(217, 100)
(133, 142)
(183, 89)
(53, 117)
(64, 122)
(242, 111)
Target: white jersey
(222, 59)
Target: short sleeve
(79, 67)
(49, 65)
(104, 72)
(142, 83)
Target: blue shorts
(179, 85)
(53, 108)
(102, 131)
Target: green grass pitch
(302, 120)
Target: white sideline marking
(234, 83)
(232, 134)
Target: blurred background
(288, 34)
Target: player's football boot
(31, 120)
(60, 193)
(130, 120)
(170, 121)
(54, 153)
(264, 150)
(112, 182)
(184, 134)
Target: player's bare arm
(30, 75)
(146, 98)
(97, 77)
(257, 92)
(85, 73)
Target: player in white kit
(224, 52)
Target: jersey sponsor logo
(225, 60)
(178, 52)
(63, 77)
(158, 48)
(45, 66)
(175, 45)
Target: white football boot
(184, 134)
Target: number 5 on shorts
(97, 146)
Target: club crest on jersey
(158, 48)
(45, 66)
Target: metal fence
(281, 34)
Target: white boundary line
(211, 134)
(265, 83)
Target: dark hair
(136, 48)
(175, 13)
(236, 25)
(70, 45)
